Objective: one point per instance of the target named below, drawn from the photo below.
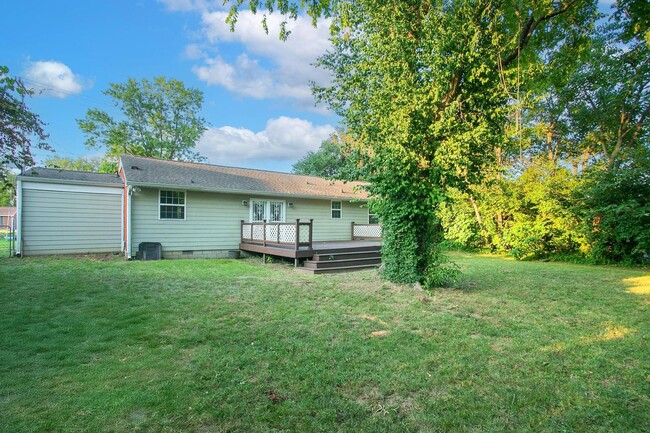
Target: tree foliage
(159, 118)
(88, 164)
(423, 87)
(20, 128)
(517, 127)
(327, 161)
(331, 160)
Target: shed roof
(53, 174)
(7, 211)
(146, 171)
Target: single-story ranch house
(191, 210)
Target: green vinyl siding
(327, 228)
(68, 222)
(212, 220)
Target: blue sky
(256, 88)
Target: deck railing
(297, 234)
(365, 231)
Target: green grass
(220, 345)
(4, 244)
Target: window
(172, 205)
(277, 211)
(373, 218)
(271, 211)
(337, 209)
(258, 210)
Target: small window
(373, 218)
(336, 209)
(172, 205)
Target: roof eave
(67, 181)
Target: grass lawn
(222, 345)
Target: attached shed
(67, 212)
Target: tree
(8, 190)
(20, 128)
(90, 164)
(160, 118)
(422, 88)
(327, 161)
(610, 99)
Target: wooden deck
(321, 248)
(295, 241)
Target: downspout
(122, 223)
(128, 222)
(18, 241)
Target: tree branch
(529, 28)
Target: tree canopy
(330, 160)
(159, 118)
(425, 88)
(20, 128)
(89, 164)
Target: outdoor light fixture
(290, 204)
(244, 203)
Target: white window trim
(267, 209)
(332, 209)
(184, 205)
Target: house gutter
(18, 221)
(128, 222)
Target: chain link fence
(7, 237)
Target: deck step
(338, 250)
(329, 264)
(324, 257)
(339, 269)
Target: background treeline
(571, 178)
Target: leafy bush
(615, 207)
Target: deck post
(311, 232)
(352, 231)
(296, 262)
(263, 232)
(297, 234)
(241, 232)
(277, 229)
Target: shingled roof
(144, 171)
(53, 174)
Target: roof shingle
(144, 171)
(73, 176)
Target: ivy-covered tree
(423, 88)
(159, 118)
(20, 128)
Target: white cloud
(51, 78)
(193, 52)
(269, 67)
(283, 139)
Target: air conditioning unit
(149, 251)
